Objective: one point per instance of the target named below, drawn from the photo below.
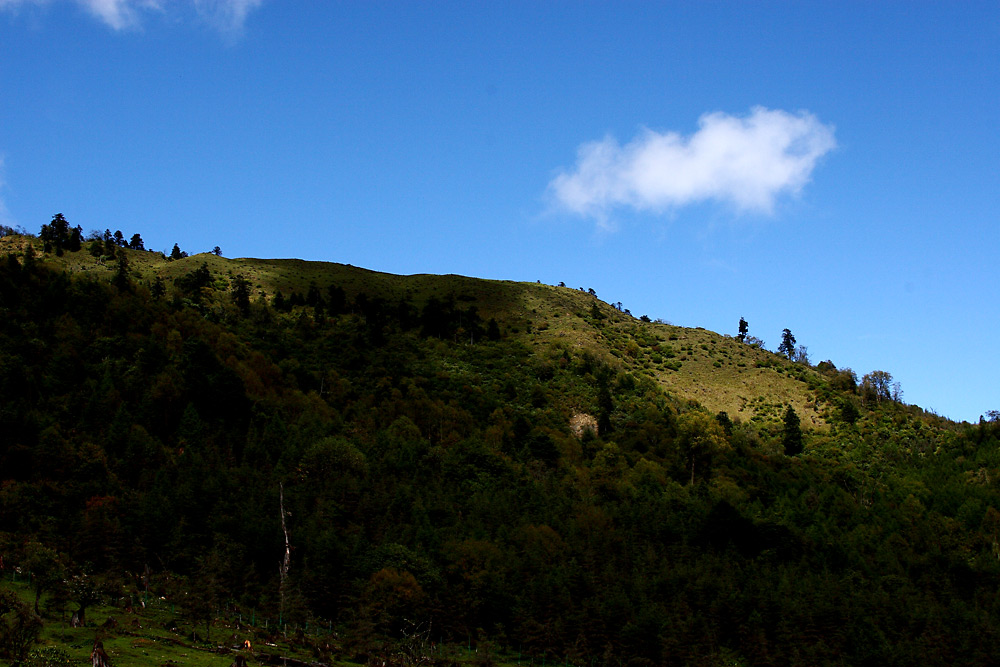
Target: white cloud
(225, 15)
(744, 161)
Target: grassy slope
(158, 636)
(692, 364)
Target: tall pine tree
(792, 436)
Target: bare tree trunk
(283, 569)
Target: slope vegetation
(437, 460)
(691, 364)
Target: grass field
(157, 635)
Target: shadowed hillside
(716, 371)
(519, 469)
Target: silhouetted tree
(56, 234)
(336, 299)
(744, 329)
(434, 318)
(725, 422)
(157, 289)
(136, 243)
(29, 256)
(121, 278)
(279, 303)
(240, 288)
(192, 283)
(313, 297)
(493, 329)
(75, 239)
(791, 437)
(787, 346)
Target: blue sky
(830, 167)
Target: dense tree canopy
(431, 470)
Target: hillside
(518, 469)
(691, 364)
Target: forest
(373, 462)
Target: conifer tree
(75, 239)
(240, 288)
(792, 436)
(157, 289)
(121, 278)
(787, 346)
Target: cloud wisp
(746, 162)
(119, 14)
(228, 16)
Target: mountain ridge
(747, 382)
